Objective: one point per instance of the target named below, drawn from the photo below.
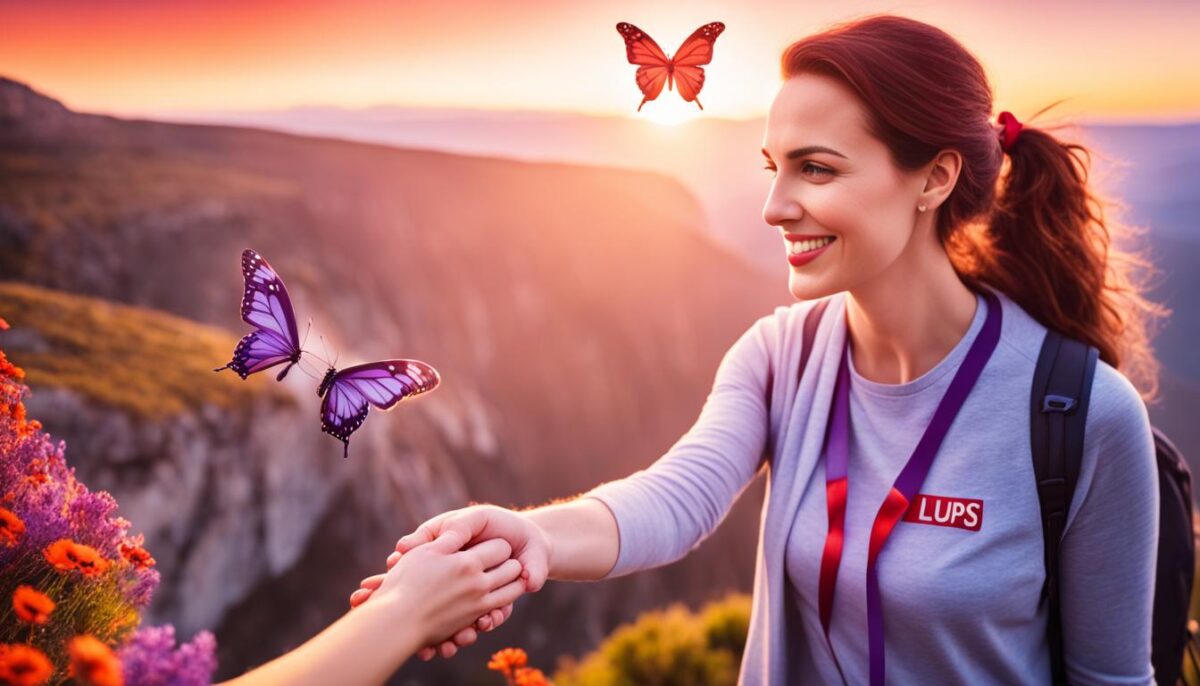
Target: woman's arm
(666, 510)
(1109, 549)
(583, 538)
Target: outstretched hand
(529, 543)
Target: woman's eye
(820, 171)
(807, 168)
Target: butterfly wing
(267, 307)
(653, 63)
(353, 390)
(695, 51)
(259, 350)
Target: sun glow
(669, 109)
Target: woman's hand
(441, 589)
(529, 543)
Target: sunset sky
(1112, 60)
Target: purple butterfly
(265, 306)
(347, 395)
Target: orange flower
(3, 324)
(32, 606)
(65, 555)
(9, 369)
(93, 663)
(507, 660)
(11, 527)
(22, 665)
(137, 555)
(528, 676)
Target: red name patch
(961, 513)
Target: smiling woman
(929, 276)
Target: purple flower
(151, 659)
(140, 589)
(38, 487)
(94, 521)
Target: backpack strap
(1062, 387)
(811, 321)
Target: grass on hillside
(146, 362)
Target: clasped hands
(487, 531)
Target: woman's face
(832, 179)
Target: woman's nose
(780, 207)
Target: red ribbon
(1012, 129)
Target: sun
(669, 110)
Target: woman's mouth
(802, 252)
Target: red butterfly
(655, 68)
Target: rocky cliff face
(576, 315)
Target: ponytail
(1049, 246)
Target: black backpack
(1062, 384)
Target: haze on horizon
(1112, 61)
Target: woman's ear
(941, 177)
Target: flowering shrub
(668, 647)
(72, 579)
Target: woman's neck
(906, 321)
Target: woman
(436, 589)
(940, 289)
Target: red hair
(1033, 229)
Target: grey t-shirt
(960, 601)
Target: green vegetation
(145, 362)
(667, 648)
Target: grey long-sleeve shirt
(960, 605)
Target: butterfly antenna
(306, 333)
(316, 357)
(326, 349)
(323, 360)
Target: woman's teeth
(805, 246)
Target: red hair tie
(1012, 129)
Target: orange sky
(1114, 60)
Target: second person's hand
(530, 545)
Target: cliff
(576, 315)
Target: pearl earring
(921, 207)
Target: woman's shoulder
(763, 345)
(1118, 470)
(783, 319)
(1115, 406)
(790, 318)
(1116, 411)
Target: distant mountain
(723, 171)
(575, 313)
